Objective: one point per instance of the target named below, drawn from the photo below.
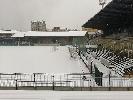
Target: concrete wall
(70, 88)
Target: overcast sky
(17, 14)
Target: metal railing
(66, 80)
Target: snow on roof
(37, 21)
(45, 34)
(8, 32)
(19, 34)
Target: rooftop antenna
(102, 3)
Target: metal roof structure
(117, 15)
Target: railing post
(110, 68)
(53, 87)
(109, 80)
(16, 85)
(34, 76)
(67, 81)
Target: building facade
(48, 38)
(38, 26)
(56, 29)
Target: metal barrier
(66, 80)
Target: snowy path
(58, 95)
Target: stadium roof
(117, 14)
(48, 34)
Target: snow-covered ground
(50, 60)
(58, 95)
(38, 59)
